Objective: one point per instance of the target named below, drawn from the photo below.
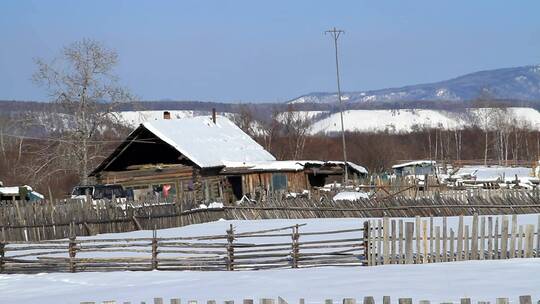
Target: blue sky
(253, 51)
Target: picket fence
(283, 247)
(525, 299)
(399, 241)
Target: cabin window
(279, 181)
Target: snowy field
(443, 282)
(480, 280)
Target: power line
(335, 33)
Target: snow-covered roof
(493, 173)
(277, 165)
(208, 144)
(289, 165)
(415, 163)
(9, 190)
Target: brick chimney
(166, 115)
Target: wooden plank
(247, 301)
(345, 301)
(451, 252)
(490, 239)
(379, 242)
(424, 241)
(387, 300)
(466, 253)
(459, 247)
(158, 300)
(512, 247)
(474, 236)
(529, 240)
(409, 232)
(386, 244)
(418, 237)
(400, 242)
(177, 301)
(373, 243)
(519, 251)
(431, 239)
(501, 301)
(504, 238)
(482, 249)
(369, 300)
(266, 301)
(437, 244)
(280, 301)
(393, 257)
(525, 299)
(405, 301)
(465, 301)
(445, 240)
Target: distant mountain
(519, 83)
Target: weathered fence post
(409, 231)
(525, 300)
(386, 234)
(2, 255)
(367, 255)
(349, 301)
(72, 251)
(504, 238)
(295, 246)
(154, 250)
(230, 248)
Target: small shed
(415, 168)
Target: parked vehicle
(99, 192)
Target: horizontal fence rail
(401, 241)
(525, 299)
(283, 247)
(36, 221)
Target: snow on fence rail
(398, 241)
(526, 299)
(36, 221)
(284, 247)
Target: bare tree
(82, 83)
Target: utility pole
(335, 33)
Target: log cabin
(207, 159)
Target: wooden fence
(526, 299)
(284, 247)
(399, 241)
(25, 221)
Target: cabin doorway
(236, 185)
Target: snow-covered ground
(443, 282)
